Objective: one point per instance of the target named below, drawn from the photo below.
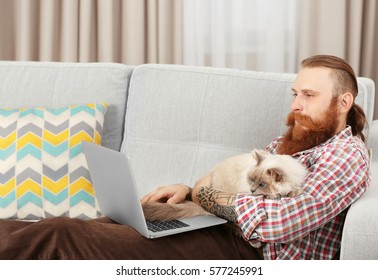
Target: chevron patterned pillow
(43, 171)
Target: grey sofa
(175, 122)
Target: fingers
(153, 196)
(174, 199)
(171, 194)
(161, 193)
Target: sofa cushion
(359, 240)
(54, 84)
(43, 171)
(181, 120)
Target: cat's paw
(272, 196)
(255, 244)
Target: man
(325, 134)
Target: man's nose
(296, 105)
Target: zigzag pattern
(8, 136)
(43, 171)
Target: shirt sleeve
(334, 181)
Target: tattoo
(218, 203)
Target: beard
(305, 133)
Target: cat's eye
(263, 185)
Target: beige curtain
(346, 28)
(125, 31)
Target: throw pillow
(43, 171)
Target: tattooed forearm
(219, 203)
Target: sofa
(174, 122)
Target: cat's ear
(258, 156)
(276, 173)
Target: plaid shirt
(310, 225)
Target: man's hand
(170, 194)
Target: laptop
(118, 198)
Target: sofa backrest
(181, 120)
(45, 84)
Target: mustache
(307, 121)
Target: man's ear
(346, 101)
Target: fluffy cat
(258, 172)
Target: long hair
(344, 81)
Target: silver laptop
(118, 197)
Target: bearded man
(325, 133)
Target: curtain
(345, 28)
(246, 34)
(125, 31)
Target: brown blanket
(65, 238)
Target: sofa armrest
(372, 142)
(360, 233)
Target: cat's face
(275, 178)
(265, 182)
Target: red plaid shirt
(310, 225)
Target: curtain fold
(125, 31)
(246, 34)
(345, 28)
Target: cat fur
(258, 173)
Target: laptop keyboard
(156, 226)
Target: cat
(258, 173)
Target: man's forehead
(317, 79)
